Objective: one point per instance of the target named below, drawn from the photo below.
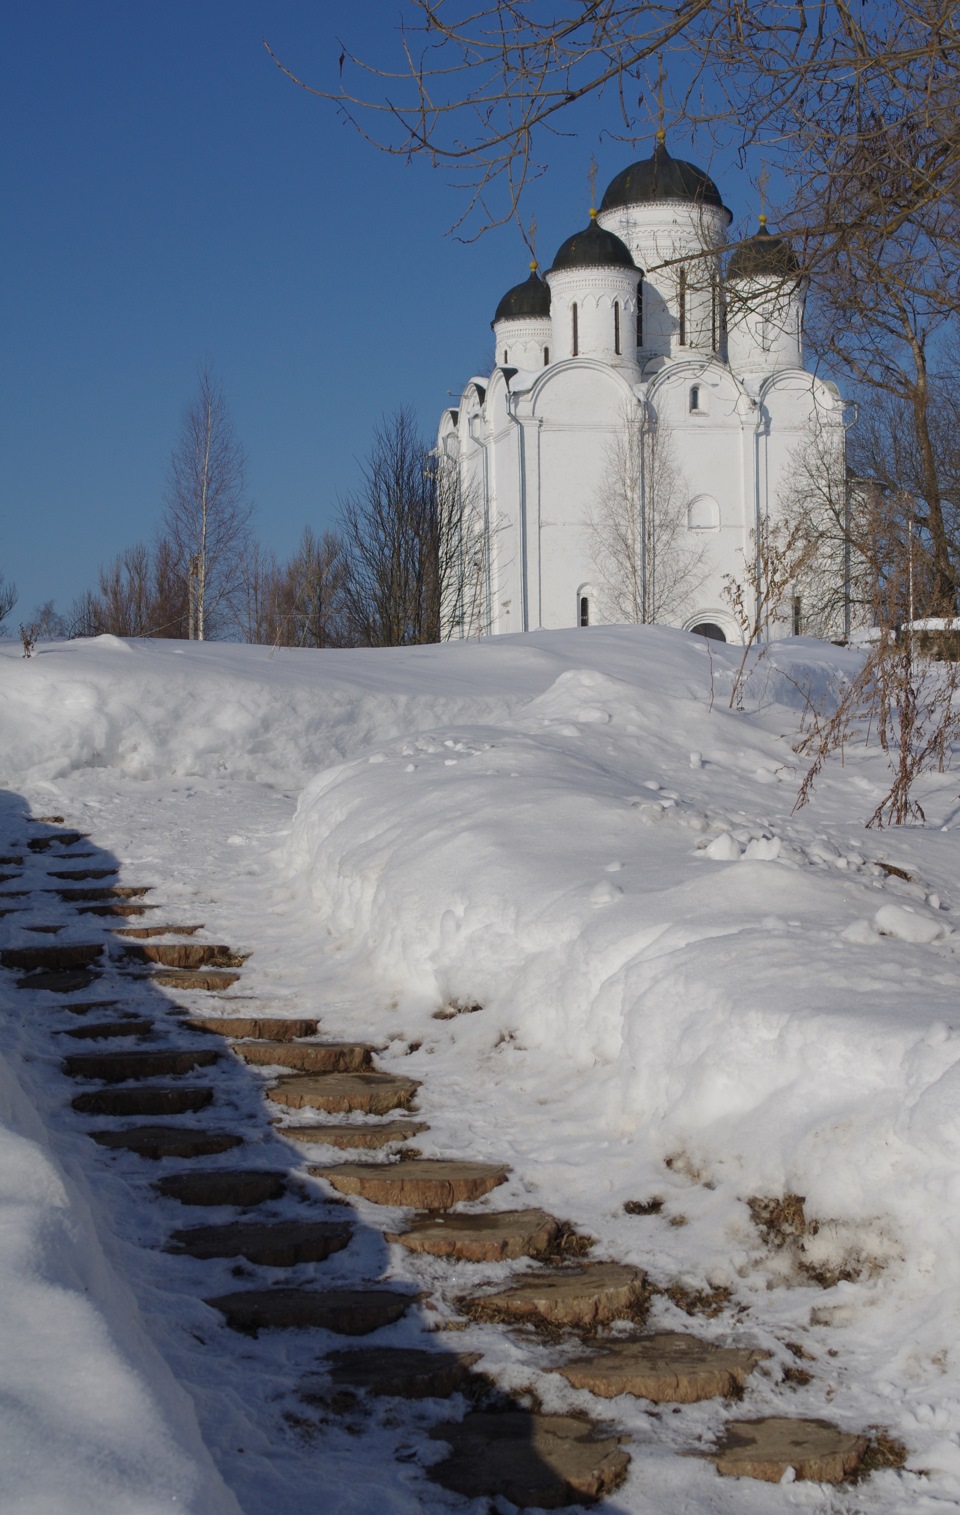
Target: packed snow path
(500, 1446)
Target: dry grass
(705, 1302)
(643, 1206)
(883, 1451)
(785, 1227)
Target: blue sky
(170, 197)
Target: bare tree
(779, 554)
(8, 598)
(463, 544)
(390, 534)
(314, 592)
(258, 610)
(646, 563)
(857, 106)
(901, 698)
(208, 514)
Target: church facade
(643, 422)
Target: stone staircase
(171, 1068)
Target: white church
(643, 418)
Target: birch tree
(647, 564)
(208, 514)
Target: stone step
(88, 1006)
(307, 1057)
(116, 909)
(670, 1367)
(146, 1099)
(369, 1136)
(62, 839)
(541, 1462)
(99, 1031)
(100, 895)
(224, 1186)
(271, 1028)
(13, 860)
(348, 1312)
(209, 979)
(124, 1067)
(427, 1183)
(58, 955)
(44, 930)
(496, 1237)
(60, 980)
(582, 1297)
(145, 932)
(168, 1141)
(182, 954)
(374, 1093)
(9, 878)
(400, 1372)
(768, 1448)
(78, 875)
(280, 1244)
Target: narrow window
(714, 314)
(506, 357)
(640, 314)
(616, 326)
(797, 617)
(576, 329)
(584, 610)
(695, 397)
(682, 291)
(546, 357)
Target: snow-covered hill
(688, 993)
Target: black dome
(662, 178)
(593, 248)
(531, 298)
(763, 255)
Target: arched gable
(719, 395)
(581, 390)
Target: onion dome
(531, 298)
(763, 256)
(662, 178)
(592, 248)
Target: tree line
(391, 573)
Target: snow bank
(91, 1422)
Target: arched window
(682, 296)
(797, 616)
(708, 629)
(640, 314)
(584, 610)
(703, 514)
(714, 314)
(694, 396)
(616, 326)
(546, 357)
(575, 328)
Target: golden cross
(592, 176)
(763, 179)
(658, 85)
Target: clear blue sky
(169, 196)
